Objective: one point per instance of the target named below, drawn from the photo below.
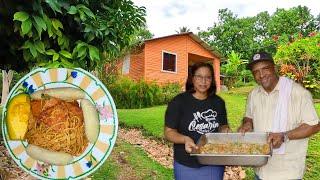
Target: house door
(189, 79)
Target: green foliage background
(303, 53)
(61, 33)
(129, 94)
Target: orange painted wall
(195, 48)
(148, 63)
(137, 66)
(153, 59)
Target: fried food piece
(235, 148)
(53, 112)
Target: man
(285, 109)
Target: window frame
(176, 61)
(126, 61)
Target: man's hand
(189, 144)
(276, 139)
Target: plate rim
(111, 139)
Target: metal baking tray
(232, 159)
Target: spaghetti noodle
(57, 125)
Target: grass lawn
(130, 162)
(127, 160)
(151, 121)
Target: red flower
(275, 37)
(312, 34)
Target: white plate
(95, 154)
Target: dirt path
(156, 150)
(163, 154)
(8, 168)
(126, 171)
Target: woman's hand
(247, 126)
(225, 129)
(173, 136)
(189, 144)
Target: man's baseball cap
(258, 57)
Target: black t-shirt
(193, 117)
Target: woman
(189, 115)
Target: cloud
(174, 9)
(167, 16)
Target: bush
(235, 70)
(300, 60)
(169, 91)
(129, 94)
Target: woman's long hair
(189, 84)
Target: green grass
(313, 158)
(145, 167)
(131, 162)
(136, 159)
(235, 105)
(241, 90)
(318, 108)
(235, 100)
(110, 168)
(151, 120)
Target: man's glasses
(202, 78)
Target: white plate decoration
(95, 154)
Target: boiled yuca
(91, 120)
(47, 156)
(64, 93)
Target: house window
(169, 62)
(126, 64)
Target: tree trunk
(6, 81)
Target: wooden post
(216, 68)
(6, 81)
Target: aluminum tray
(232, 159)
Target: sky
(165, 17)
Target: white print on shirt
(204, 122)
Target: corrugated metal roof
(195, 38)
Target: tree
(248, 35)
(183, 29)
(296, 19)
(300, 60)
(11, 59)
(231, 34)
(61, 33)
(235, 69)
(109, 72)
